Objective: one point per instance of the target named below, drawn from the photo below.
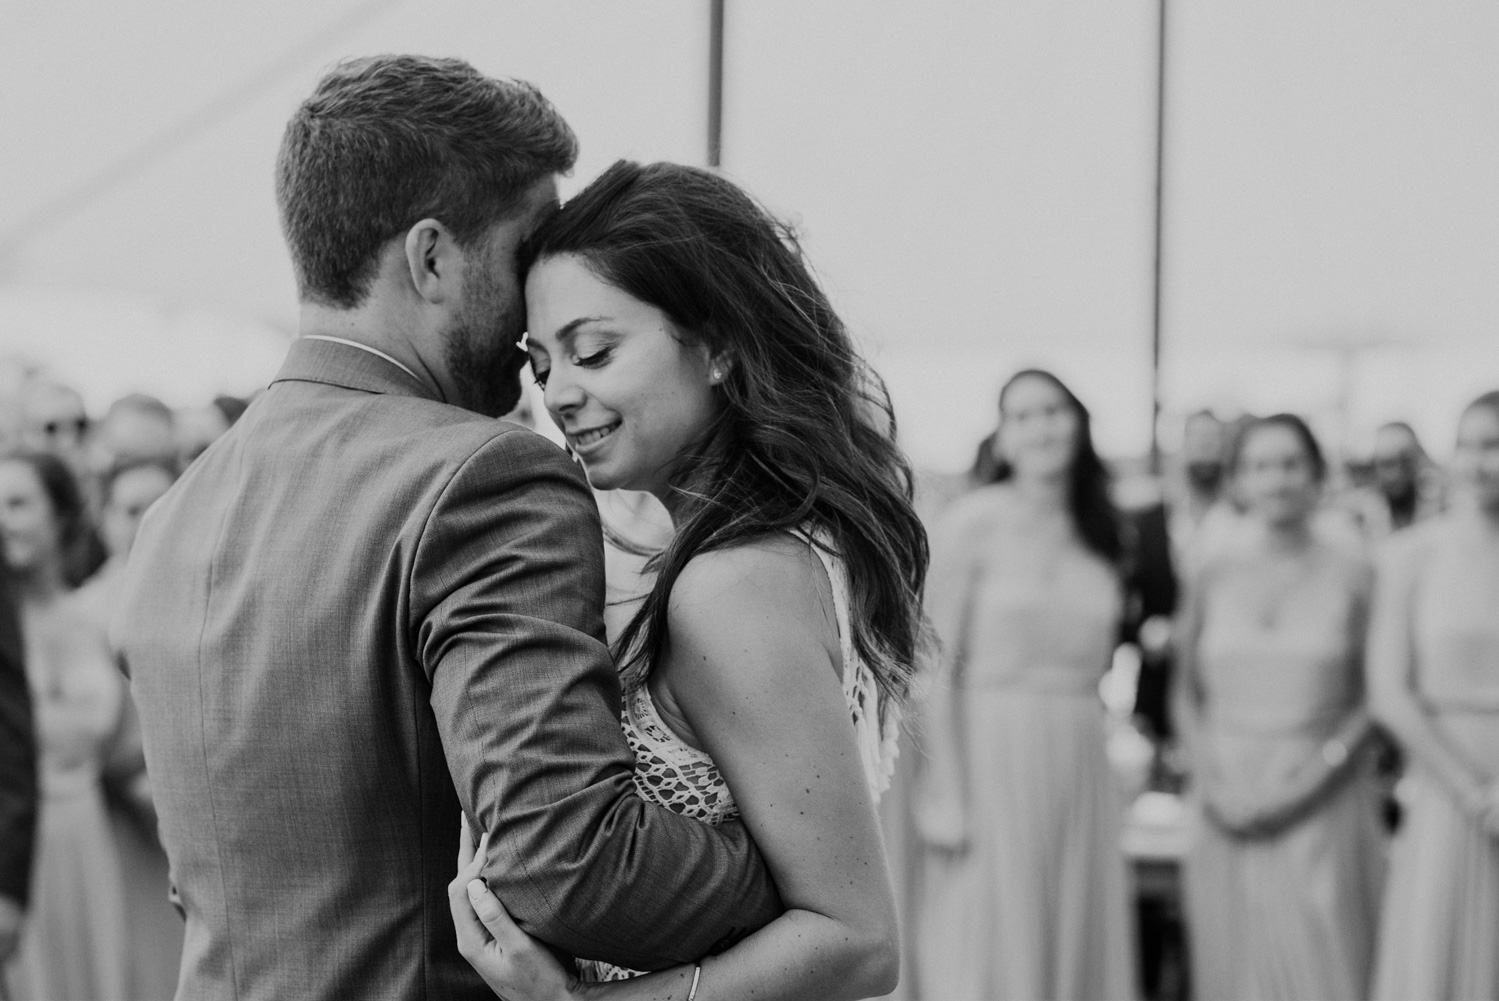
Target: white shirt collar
(362, 347)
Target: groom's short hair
(386, 141)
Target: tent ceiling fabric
(107, 345)
(973, 180)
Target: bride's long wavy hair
(804, 434)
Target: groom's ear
(434, 260)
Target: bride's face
(629, 389)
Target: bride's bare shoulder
(771, 590)
(776, 569)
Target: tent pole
(715, 83)
(1160, 161)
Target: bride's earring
(718, 369)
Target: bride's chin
(600, 479)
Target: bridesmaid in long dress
(74, 942)
(1025, 892)
(1434, 679)
(155, 930)
(1282, 882)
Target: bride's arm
(750, 669)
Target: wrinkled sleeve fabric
(18, 791)
(507, 598)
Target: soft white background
(973, 180)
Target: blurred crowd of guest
(84, 892)
(1311, 652)
(1301, 633)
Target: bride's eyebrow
(571, 327)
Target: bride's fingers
(465, 842)
(494, 916)
(469, 871)
(472, 938)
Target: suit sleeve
(18, 791)
(508, 599)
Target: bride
(686, 350)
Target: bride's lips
(590, 439)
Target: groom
(371, 605)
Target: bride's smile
(585, 440)
(630, 389)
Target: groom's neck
(375, 325)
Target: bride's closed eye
(540, 373)
(595, 360)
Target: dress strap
(833, 567)
(877, 732)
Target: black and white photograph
(749, 500)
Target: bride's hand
(512, 963)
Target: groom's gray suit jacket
(359, 611)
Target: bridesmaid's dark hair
(985, 468)
(804, 433)
(1088, 498)
(63, 495)
(1291, 423)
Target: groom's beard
(483, 353)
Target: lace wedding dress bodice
(672, 773)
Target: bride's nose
(563, 395)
